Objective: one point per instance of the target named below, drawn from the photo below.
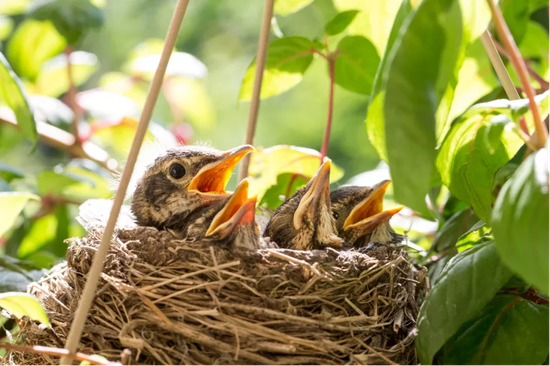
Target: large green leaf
(418, 77)
(509, 330)
(12, 7)
(356, 64)
(12, 93)
(21, 304)
(32, 44)
(374, 20)
(287, 60)
(6, 26)
(71, 18)
(287, 184)
(53, 79)
(457, 225)
(479, 233)
(375, 112)
(286, 7)
(340, 22)
(284, 159)
(516, 14)
(11, 204)
(468, 282)
(520, 221)
(471, 155)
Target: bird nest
(168, 301)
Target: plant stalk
(261, 56)
(52, 351)
(71, 94)
(541, 133)
(324, 148)
(88, 294)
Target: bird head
(235, 224)
(358, 211)
(182, 180)
(304, 221)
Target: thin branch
(260, 67)
(71, 94)
(60, 352)
(92, 280)
(543, 83)
(541, 133)
(64, 141)
(499, 67)
(324, 148)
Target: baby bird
(234, 226)
(182, 181)
(360, 217)
(304, 221)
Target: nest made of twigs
(173, 302)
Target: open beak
(213, 178)
(238, 210)
(370, 212)
(319, 189)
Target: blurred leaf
(13, 281)
(465, 161)
(71, 18)
(190, 101)
(53, 79)
(11, 204)
(43, 258)
(98, 358)
(12, 7)
(73, 182)
(287, 60)
(21, 304)
(50, 182)
(375, 19)
(287, 185)
(470, 279)
(457, 225)
(58, 247)
(520, 221)
(33, 43)
(51, 110)
(375, 112)
(356, 64)
(6, 26)
(12, 93)
(516, 15)
(479, 233)
(9, 173)
(508, 330)
(5, 186)
(286, 7)
(181, 64)
(107, 105)
(41, 232)
(284, 159)
(340, 22)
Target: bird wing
(95, 213)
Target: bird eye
(177, 171)
(335, 215)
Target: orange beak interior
(214, 177)
(238, 208)
(370, 212)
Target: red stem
(71, 94)
(324, 148)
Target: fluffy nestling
(304, 221)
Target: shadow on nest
(172, 302)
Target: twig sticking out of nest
(172, 302)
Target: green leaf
(9, 173)
(375, 19)
(40, 234)
(457, 225)
(12, 93)
(468, 282)
(356, 64)
(340, 22)
(468, 164)
(479, 233)
(71, 18)
(6, 26)
(51, 182)
(286, 7)
(516, 14)
(287, 60)
(520, 221)
(287, 184)
(418, 77)
(375, 112)
(508, 330)
(12, 7)
(284, 159)
(21, 304)
(53, 79)
(11, 204)
(32, 44)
